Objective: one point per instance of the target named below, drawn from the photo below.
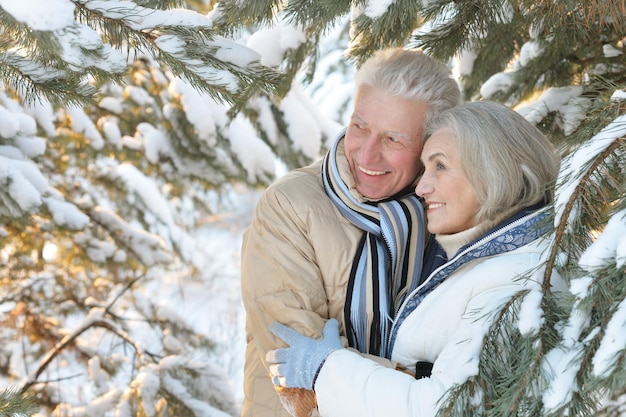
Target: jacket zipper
(490, 236)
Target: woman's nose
(423, 187)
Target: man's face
(383, 142)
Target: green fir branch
(235, 14)
(392, 28)
(14, 403)
(316, 15)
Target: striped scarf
(388, 261)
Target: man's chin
(371, 193)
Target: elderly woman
(488, 177)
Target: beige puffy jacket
(296, 260)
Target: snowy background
(202, 292)
(205, 302)
(221, 298)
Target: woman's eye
(440, 166)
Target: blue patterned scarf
(388, 261)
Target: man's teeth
(368, 172)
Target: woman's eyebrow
(435, 155)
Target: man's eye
(397, 141)
(440, 166)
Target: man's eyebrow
(404, 135)
(356, 116)
(408, 137)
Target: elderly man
(344, 237)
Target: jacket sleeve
(351, 385)
(280, 280)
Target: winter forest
(136, 135)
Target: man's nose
(370, 149)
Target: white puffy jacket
(445, 328)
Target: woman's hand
(297, 366)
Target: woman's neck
(453, 242)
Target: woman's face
(452, 203)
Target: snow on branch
(146, 246)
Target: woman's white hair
(507, 160)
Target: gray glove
(297, 365)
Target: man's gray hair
(413, 75)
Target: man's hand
(298, 402)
